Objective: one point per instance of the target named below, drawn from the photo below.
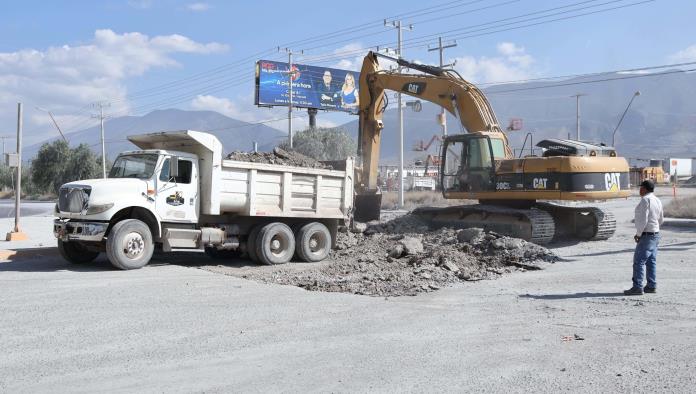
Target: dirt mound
(278, 156)
(403, 257)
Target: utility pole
(291, 75)
(577, 114)
(441, 48)
(396, 24)
(101, 117)
(17, 234)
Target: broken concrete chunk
(358, 228)
(412, 245)
(470, 235)
(451, 266)
(397, 251)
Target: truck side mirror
(174, 167)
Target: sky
(143, 55)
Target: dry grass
(682, 208)
(414, 200)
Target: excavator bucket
(367, 207)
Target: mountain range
(660, 123)
(234, 134)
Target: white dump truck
(178, 193)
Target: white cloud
(512, 63)
(352, 53)
(65, 79)
(198, 7)
(222, 105)
(685, 55)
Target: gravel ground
(173, 327)
(403, 257)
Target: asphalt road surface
(27, 208)
(175, 328)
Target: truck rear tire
(313, 242)
(129, 245)
(75, 252)
(275, 244)
(251, 244)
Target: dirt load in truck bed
(278, 156)
(403, 257)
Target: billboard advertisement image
(312, 87)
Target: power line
(422, 41)
(593, 81)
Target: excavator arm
(442, 87)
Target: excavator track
(534, 225)
(586, 223)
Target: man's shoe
(647, 289)
(633, 291)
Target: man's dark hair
(648, 185)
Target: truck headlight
(98, 208)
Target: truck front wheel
(75, 252)
(129, 244)
(275, 244)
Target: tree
(82, 164)
(324, 143)
(49, 165)
(57, 164)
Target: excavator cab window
(468, 164)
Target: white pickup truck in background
(178, 194)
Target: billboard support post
(312, 112)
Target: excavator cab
(468, 163)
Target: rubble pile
(404, 257)
(278, 156)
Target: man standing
(648, 218)
(327, 91)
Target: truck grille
(73, 199)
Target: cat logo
(540, 183)
(612, 181)
(416, 88)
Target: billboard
(312, 87)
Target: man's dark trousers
(645, 255)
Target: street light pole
(441, 48)
(400, 28)
(577, 114)
(636, 94)
(291, 75)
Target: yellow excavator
(514, 194)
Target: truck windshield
(134, 166)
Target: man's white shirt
(649, 215)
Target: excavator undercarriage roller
(540, 224)
(584, 223)
(533, 225)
